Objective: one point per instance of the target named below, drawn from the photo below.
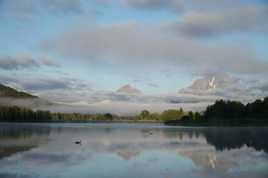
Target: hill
(9, 92)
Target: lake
(131, 151)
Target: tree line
(17, 114)
(221, 112)
(228, 113)
(233, 110)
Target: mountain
(9, 92)
(220, 87)
(12, 97)
(210, 84)
(129, 90)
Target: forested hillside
(6, 91)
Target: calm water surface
(131, 151)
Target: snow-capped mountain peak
(210, 84)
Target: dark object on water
(78, 142)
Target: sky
(177, 53)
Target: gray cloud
(15, 63)
(260, 86)
(173, 5)
(179, 6)
(134, 43)
(49, 63)
(224, 21)
(44, 83)
(104, 2)
(28, 9)
(24, 62)
(264, 88)
(153, 85)
(64, 6)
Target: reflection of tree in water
(19, 138)
(225, 138)
(229, 138)
(10, 150)
(22, 131)
(182, 132)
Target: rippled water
(131, 151)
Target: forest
(220, 113)
(17, 114)
(231, 113)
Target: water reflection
(19, 138)
(129, 150)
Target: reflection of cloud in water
(128, 153)
(140, 151)
(45, 157)
(227, 163)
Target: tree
(144, 114)
(191, 115)
(16, 114)
(171, 114)
(108, 116)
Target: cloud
(173, 5)
(260, 86)
(15, 63)
(179, 6)
(104, 2)
(44, 83)
(28, 9)
(264, 88)
(24, 62)
(224, 21)
(64, 6)
(141, 44)
(49, 63)
(153, 85)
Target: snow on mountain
(221, 86)
(210, 84)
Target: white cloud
(141, 44)
(224, 21)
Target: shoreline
(168, 124)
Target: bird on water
(78, 142)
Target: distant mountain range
(9, 92)
(129, 90)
